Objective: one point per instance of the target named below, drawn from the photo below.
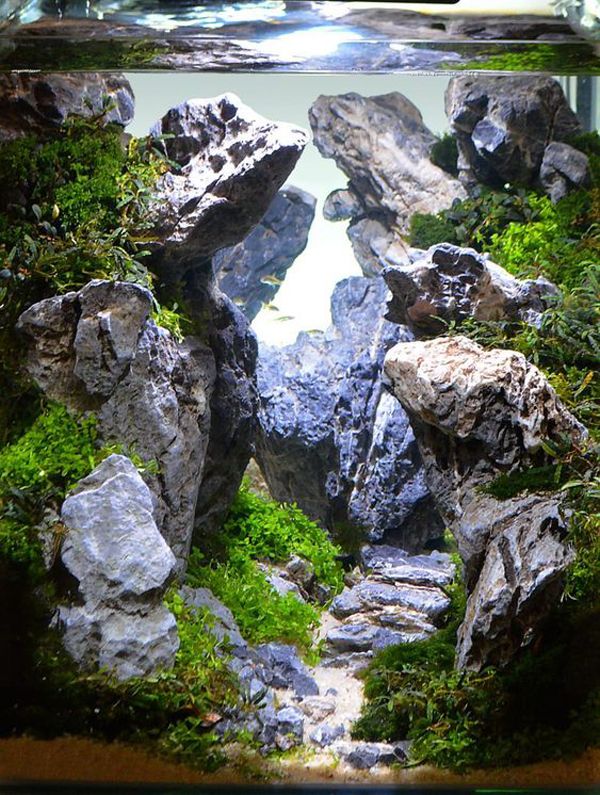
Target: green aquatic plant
(444, 153)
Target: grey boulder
(98, 349)
(122, 566)
(563, 170)
(478, 414)
(285, 669)
(504, 124)
(330, 437)
(251, 271)
(231, 162)
(38, 104)
(448, 284)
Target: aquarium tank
(299, 393)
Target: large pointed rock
(476, 414)
(230, 164)
(383, 146)
(122, 565)
(331, 438)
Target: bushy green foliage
(267, 530)
(258, 529)
(427, 230)
(444, 153)
(35, 473)
(260, 612)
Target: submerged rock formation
(383, 147)
(249, 272)
(504, 127)
(477, 414)
(231, 164)
(35, 104)
(449, 284)
(331, 438)
(122, 565)
(98, 350)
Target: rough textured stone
(382, 146)
(286, 669)
(225, 626)
(504, 124)
(330, 437)
(290, 727)
(122, 566)
(364, 756)
(232, 162)
(477, 414)
(249, 272)
(324, 735)
(36, 104)
(233, 408)
(97, 349)
(564, 169)
(520, 577)
(449, 284)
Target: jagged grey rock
(38, 104)
(364, 756)
(564, 169)
(290, 727)
(225, 627)
(249, 272)
(449, 284)
(383, 147)
(286, 669)
(232, 162)
(325, 734)
(477, 414)
(97, 349)
(503, 125)
(330, 437)
(122, 566)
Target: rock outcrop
(401, 599)
(331, 438)
(477, 414)
(231, 164)
(563, 170)
(250, 272)
(98, 350)
(36, 104)
(122, 565)
(504, 125)
(383, 147)
(449, 284)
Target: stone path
(391, 598)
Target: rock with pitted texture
(503, 126)
(250, 272)
(383, 147)
(448, 284)
(564, 169)
(123, 566)
(97, 349)
(231, 164)
(477, 414)
(330, 437)
(37, 104)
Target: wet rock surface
(503, 126)
(38, 104)
(476, 414)
(249, 272)
(330, 437)
(122, 566)
(448, 284)
(231, 164)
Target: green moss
(427, 230)
(554, 59)
(444, 153)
